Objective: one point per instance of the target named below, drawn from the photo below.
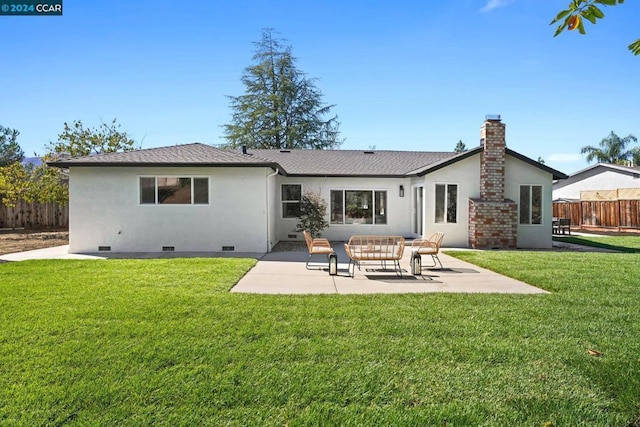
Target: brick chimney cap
(492, 117)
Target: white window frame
(530, 207)
(373, 208)
(155, 181)
(283, 202)
(446, 203)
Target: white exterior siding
(105, 210)
(398, 210)
(245, 209)
(466, 174)
(519, 173)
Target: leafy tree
(612, 149)
(32, 184)
(578, 10)
(281, 107)
(460, 147)
(313, 209)
(13, 184)
(48, 184)
(10, 151)
(76, 140)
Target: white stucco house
(196, 197)
(598, 177)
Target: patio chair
(317, 246)
(430, 246)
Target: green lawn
(138, 342)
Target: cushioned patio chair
(430, 246)
(317, 246)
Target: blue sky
(403, 75)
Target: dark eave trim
(335, 175)
(444, 163)
(63, 164)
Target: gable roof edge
(446, 162)
(556, 174)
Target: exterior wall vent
(228, 248)
(168, 248)
(104, 248)
(292, 236)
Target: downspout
(269, 207)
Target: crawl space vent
(104, 248)
(168, 248)
(292, 236)
(228, 248)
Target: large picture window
(446, 203)
(291, 195)
(170, 190)
(358, 207)
(531, 204)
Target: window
(291, 196)
(446, 203)
(358, 207)
(169, 190)
(531, 204)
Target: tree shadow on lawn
(587, 242)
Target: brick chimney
(492, 218)
(492, 137)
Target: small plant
(313, 209)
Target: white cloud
(494, 4)
(565, 158)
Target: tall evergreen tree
(460, 147)
(281, 107)
(10, 151)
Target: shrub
(313, 209)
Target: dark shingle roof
(293, 162)
(350, 162)
(178, 155)
(289, 162)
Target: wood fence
(616, 215)
(34, 215)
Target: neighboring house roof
(347, 163)
(627, 170)
(633, 171)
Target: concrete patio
(285, 273)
